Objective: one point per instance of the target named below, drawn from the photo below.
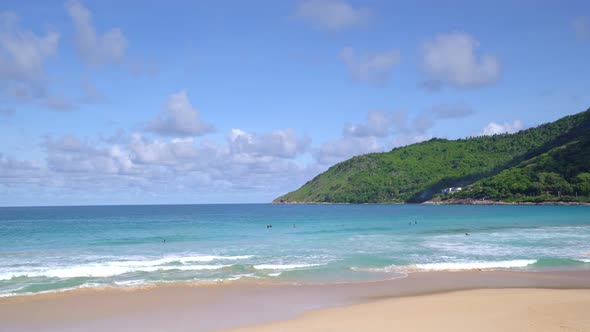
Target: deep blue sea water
(55, 248)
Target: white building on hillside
(451, 190)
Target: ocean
(48, 249)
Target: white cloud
(494, 128)
(13, 171)
(23, 57)
(22, 53)
(452, 59)
(259, 163)
(581, 26)
(379, 124)
(332, 14)
(374, 135)
(68, 154)
(159, 152)
(373, 68)
(427, 119)
(179, 118)
(94, 48)
(346, 147)
(383, 131)
(123, 164)
(279, 143)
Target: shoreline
(453, 201)
(471, 201)
(180, 307)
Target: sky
(165, 102)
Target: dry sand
(427, 301)
(539, 310)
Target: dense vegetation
(540, 163)
(562, 174)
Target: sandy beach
(459, 301)
(540, 310)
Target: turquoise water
(55, 248)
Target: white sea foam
(212, 258)
(130, 282)
(59, 290)
(117, 267)
(474, 265)
(386, 269)
(450, 266)
(283, 266)
(100, 270)
(174, 259)
(240, 276)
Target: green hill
(534, 164)
(561, 174)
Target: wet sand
(180, 307)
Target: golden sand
(539, 310)
(433, 301)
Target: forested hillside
(562, 174)
(549, 160)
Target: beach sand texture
(540, 310)
(434, 301)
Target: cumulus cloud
(381, 132)
(379, 124)
(494, 128)
(581, 26)
(279, 143)
(94, 48)
(248, 162)
(15, 175)
(427, 119)
(175, 152)
(176, 162)
(22, 53)
(346, 147)
(23, 57)
(452, 59)
(68, 154)
(179, 118)
(332, 15)
(373, 68)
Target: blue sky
(109, 102)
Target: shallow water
(54, 248)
